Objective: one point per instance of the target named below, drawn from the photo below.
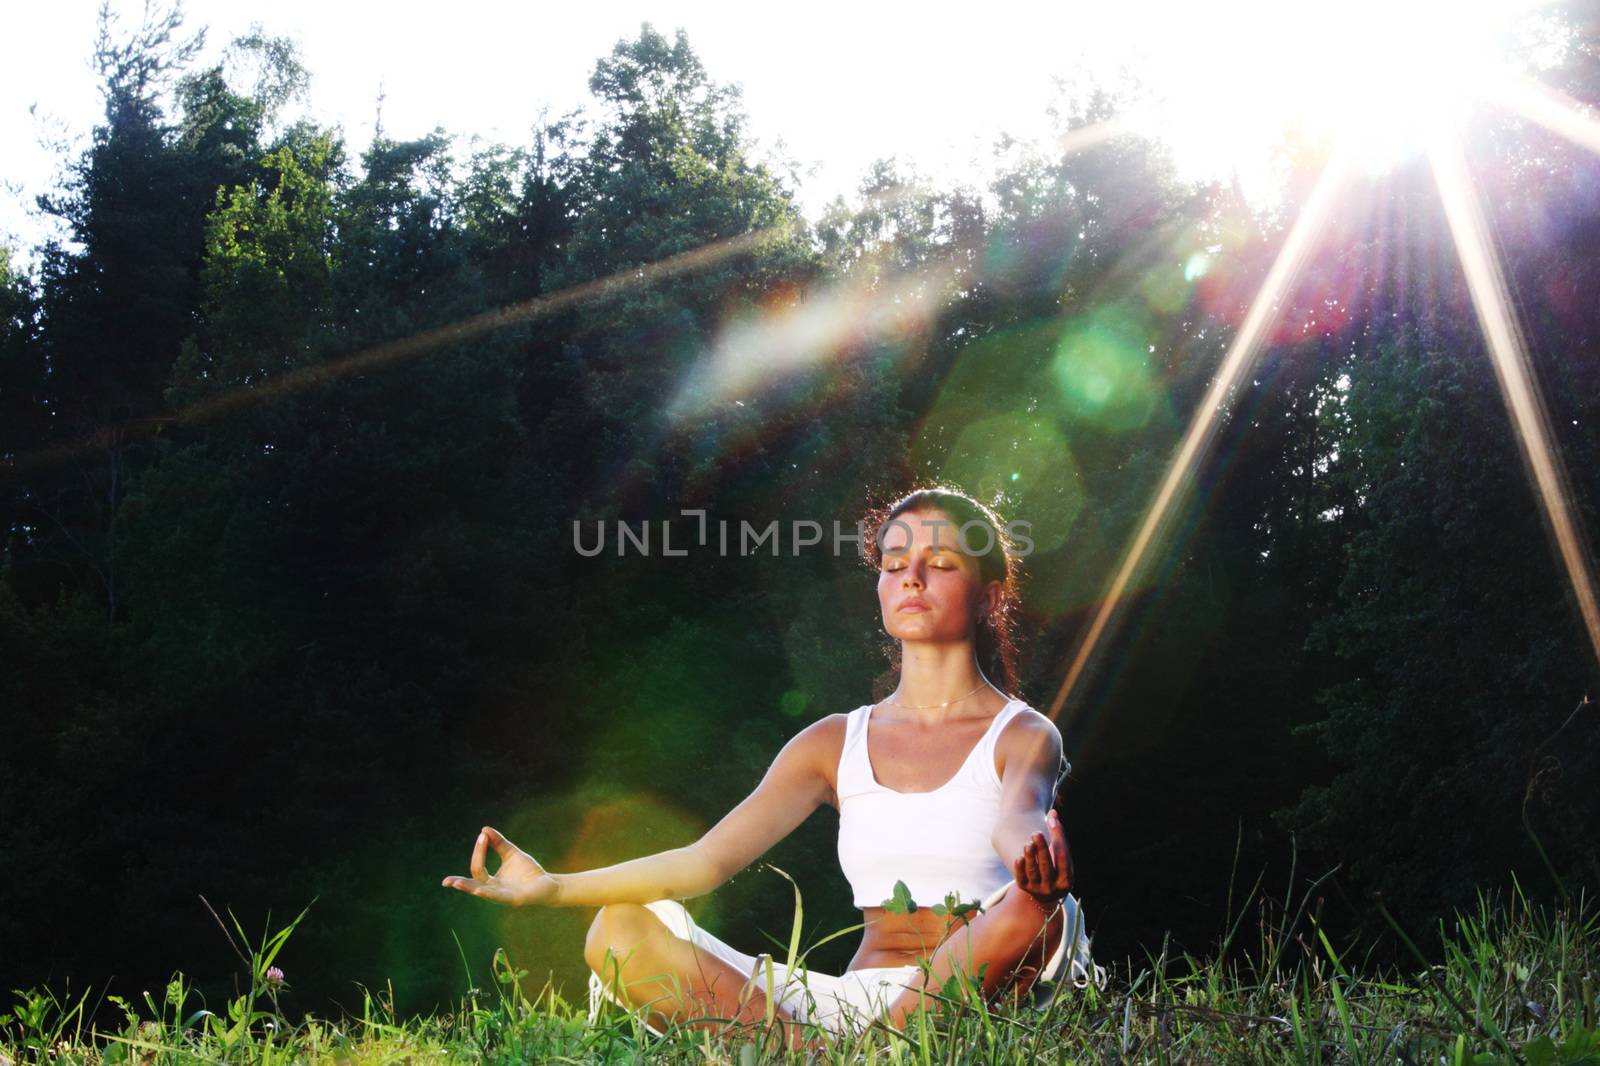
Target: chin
(931, 636)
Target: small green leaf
(901, 902)
(1580, 1043)
(955, 907)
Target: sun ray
(1555, 111)
(1490, 299)
(407, 347)
(1236, 365)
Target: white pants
(852, 999)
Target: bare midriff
(901, 939)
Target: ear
(991, 596)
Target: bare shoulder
(825, 732)
(820, 745)
(1029, 737)
(824, 740)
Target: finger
(502, 847)
(480, 853)
(1042, 871)
(1058, 851)
(1051, 871)
(1030, 861)
(1026, 858)
(483, 890)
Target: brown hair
(996, 637)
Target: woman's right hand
(519, 882)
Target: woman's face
(928, 587)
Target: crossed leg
(670, 978)
(1010, 942)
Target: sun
(1414, 71)
(1380, 78)
(1385, 83)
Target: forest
(298, 438)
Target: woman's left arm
(1035, 849)
(1030, 756)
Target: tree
(668, 171)
(24, 410)
(1455, 753)
(120, 298)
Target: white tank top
(936, 842)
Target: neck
(933, 674)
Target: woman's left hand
(1044, 870)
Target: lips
(913, 605)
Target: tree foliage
(296, 434)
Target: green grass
(1517, 983)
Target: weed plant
(1517, 983)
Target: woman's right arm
(795, 785)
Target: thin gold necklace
(932, 706)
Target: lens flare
(1491, 300)
(767, 347)
(1028, 460)
(586, 829)
(1236, 365)
(1102, 373)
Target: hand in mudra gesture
(519, 881)
(1044, 870)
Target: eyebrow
(943, 548)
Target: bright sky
(839, 84)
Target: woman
(946, 785)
